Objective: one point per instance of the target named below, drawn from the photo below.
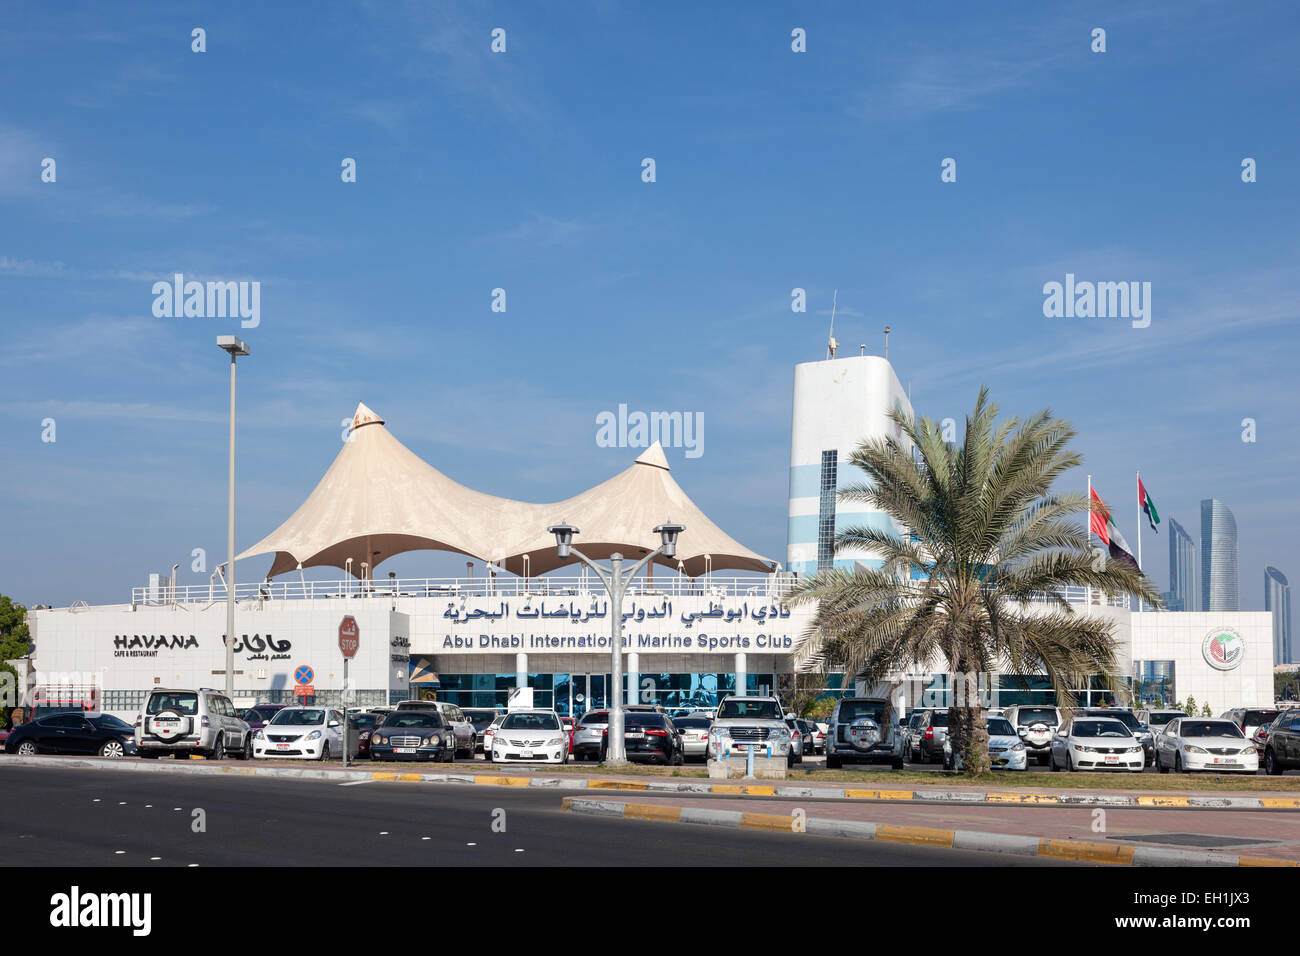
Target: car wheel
(1271, 766)
(833, 762)
(324, 751)
(112, 748)
(218, 749)
(896, 763)
(27, 749)
(679, 758)
(1160, 766)
(1069, 763)
(248, 747)
(1178, 763)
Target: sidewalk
(1132, 837)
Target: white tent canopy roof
(379, 499)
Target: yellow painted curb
(503, 781)
(926, 836)
(615, 785)
(1087, 851)
(648, 811)
(1263, 861)
(766, 821)
(1282, 803)
(1033, 798)
(738, 789)
(879, 794)
(383, 776)
(1164, 802)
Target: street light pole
(235, 347)
(616, 581)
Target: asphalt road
(70, 817)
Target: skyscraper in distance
(1219, 583)
(1183, 593)
(1277, 599)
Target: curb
(1084, 851)
(1112, 801)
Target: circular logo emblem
(1223, 649)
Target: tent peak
(364, 416)
(654, 455)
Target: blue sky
(522, 171)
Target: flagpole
(1138, 489)
(1089, 592)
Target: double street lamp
(236, 347)
(616, 581)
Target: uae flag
(1149, 506)
(1103, 526)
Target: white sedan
(535, 735)
(1006, 749)
(304, 733)
(1096, 743)
(1202, 743)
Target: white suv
(743, 722)
(185, 722)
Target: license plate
(403, 750)
(1111, 759)
(526, 754)
(281, 746)
(634, 733)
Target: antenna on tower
(831, 344)
(886, 343)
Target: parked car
(858, 731)
(1130, 720)
(1006, 750)
(481, 718)
(365, 724)
(306, 733)
(1034, 724)
(589, 739)
(489, 732)
(1282, 748)
(1250, 719)
(419, 734)
(570, 726)
(257, 717)
(926, 732)
(814, 739)
(651, 738)
(694, 731)
(531, 734)
(466, 735)
(1205, 743)
(796, 738)
(182, 722)
(1157, 720)
(1096, 743)
(744, 722)
(72, 733)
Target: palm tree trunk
(967, 727)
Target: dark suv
(1282, 745)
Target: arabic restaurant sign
(666, 624)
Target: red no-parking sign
(349, 636)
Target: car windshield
(1126, 718)
(644, 720)
(751, 709)
(1001, 727)
(851, 710)
(692, 722)
(1026, 716)
(298, 718)
(1099, 728)
(1209, 728)
(524, 721)
(365, 721)
(1254, 718)
(109, 722)
(417, 718)
(595, 717)
(181, 703)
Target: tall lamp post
(236, 347)
(616, 581)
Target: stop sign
(349, 636)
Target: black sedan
(413, 735)
(651, 738)
(73, 733)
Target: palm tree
(995, 548)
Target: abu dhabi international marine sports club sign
(1223, 649)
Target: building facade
(1219, 582)
(1184, 592)
(1277, 601)
(837, 404)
